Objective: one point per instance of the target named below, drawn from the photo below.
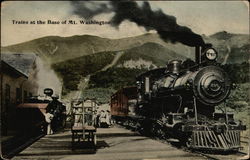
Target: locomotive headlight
(211, 54)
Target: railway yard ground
(115, 143)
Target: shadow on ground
(55, 148)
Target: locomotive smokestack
(198, 54)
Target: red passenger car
(122, 102)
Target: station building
(17, 84)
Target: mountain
(151, 55)
(73, 70)
(222, 35)
(57, 49)
(154, 53)
(232, 48)
(117, 61)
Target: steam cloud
(46, 78)
(165, 25)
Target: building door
(5, 110)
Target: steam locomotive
(179, 100)
(31, 115)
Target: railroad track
(244, 139)
(212, 156)
(236, 155)
(208, 155)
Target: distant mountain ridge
(58, 49)
(232, 48)
(224, 35)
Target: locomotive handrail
(195, 111)
(180, 103)
(226, 111)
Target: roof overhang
(8, 69)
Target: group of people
(91, 117)
(103, 119)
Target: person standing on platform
(108, 118)
(48, 119)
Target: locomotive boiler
(179, 100)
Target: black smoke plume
(165, 25)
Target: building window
(30, 94)
(7, 96)
(18, 95)
(7, 92)
(25, 96)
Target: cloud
(12, 34)
(208, 17)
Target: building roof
(21, 62)
(5, 67)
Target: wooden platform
(113, 144)
(82, 134)
(86, 128)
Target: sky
(203, 17)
